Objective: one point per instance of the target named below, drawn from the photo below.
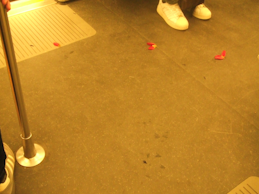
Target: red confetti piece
(56, 44)
(151, 48)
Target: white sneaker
(62, 1)
(8, 186)
(173, 15)
(202, 12)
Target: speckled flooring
(115, 117)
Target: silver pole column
(30, 154)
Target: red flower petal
(56, 44)
(219, 57)
(223, 53)
(151, 48)
(150, 43)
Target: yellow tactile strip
(17, 4)
(34, 32)
(249, 186)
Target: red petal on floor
(223, 53)
(219, 57)
(151, 48)
(150, 43)
(56, 44)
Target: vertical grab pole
(29, 154)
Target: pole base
(30, 162)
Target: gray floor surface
(115, 117)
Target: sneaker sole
(201, 18)
(161, 13)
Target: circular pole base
(30, 162)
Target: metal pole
(30, 154)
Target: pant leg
(171, 1)
(2, 160)
(189, 4)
